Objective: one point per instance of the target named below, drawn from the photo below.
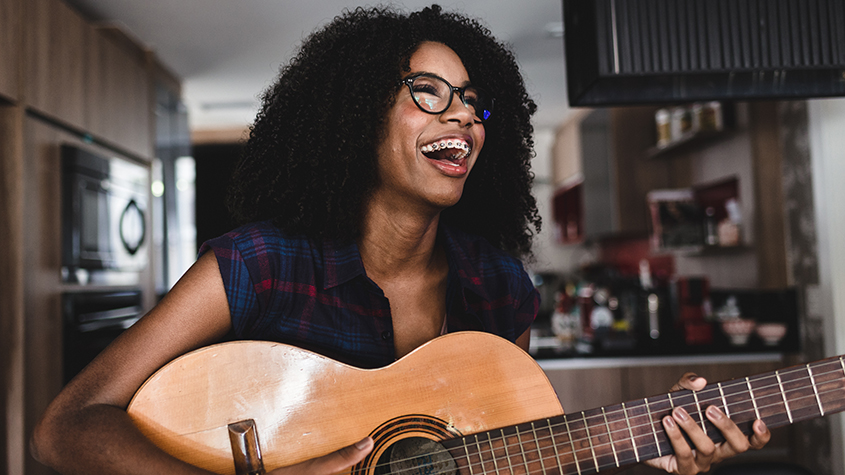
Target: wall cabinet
(10, 39)
(92, 79)
(119, 92)
(54, 64)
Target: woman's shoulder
(484, 264)
(478, 251)
(259, 238)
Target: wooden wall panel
(11, 12)
(769, 216)
(12, 446)
(54, 64)
(42, 252)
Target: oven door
(92, 320)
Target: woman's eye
(425, 89)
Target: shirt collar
(341, 263)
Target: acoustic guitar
(468, 403)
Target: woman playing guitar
(384, 188)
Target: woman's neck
(394, 243)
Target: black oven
(92, 320)
(104, 215)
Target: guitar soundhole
(416, 456)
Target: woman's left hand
(688, 461)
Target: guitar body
(305, 405)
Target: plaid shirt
(317, 295)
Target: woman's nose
(458, 111)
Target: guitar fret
(522, 450)
(469, 459)
(572, 443)
(815, 389)
(537, 445)
(554, 445)
(724, 401)
(590, 440)
(610, 437)
(671, 402)
(653, 431)
(507, 452)
(783, 394)
(751, 393)
(842, 363)
(481, 451)
(700, 414)
(493, 452)
(631, 433)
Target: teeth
(444, 144)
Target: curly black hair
(310, 154)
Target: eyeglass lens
(433, 94)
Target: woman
(385, 182)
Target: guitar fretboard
(598, 439)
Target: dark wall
(215, 163)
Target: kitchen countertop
(664, 360)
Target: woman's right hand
(330, 463)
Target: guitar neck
(613, 436)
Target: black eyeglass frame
(408, 81)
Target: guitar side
(305, 405)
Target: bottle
(664, 131)
(711, 234)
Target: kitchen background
(676, 237)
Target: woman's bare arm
(86, 429)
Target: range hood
(622, 52)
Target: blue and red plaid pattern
(316, 295)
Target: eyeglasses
(433, 94)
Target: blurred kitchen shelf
(687, 143)
(706, 251)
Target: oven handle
(122, 323)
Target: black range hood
(622, 52)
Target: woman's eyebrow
(422, 73)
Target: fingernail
(681, 414)
(693, 377)
(670, 423)
(714, 412)
(363, 443)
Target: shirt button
(385, 335)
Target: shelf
(686, 143)
(665, 360)
(706, 251)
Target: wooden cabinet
(10, 48)
(119, 92)
(54, 65)
(42, 281)
(92, 79)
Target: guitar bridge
(245, 448)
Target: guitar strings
(542, 459)
(651, 423)
(694, 412)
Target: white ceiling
(227, 51)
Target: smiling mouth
(449, 150)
